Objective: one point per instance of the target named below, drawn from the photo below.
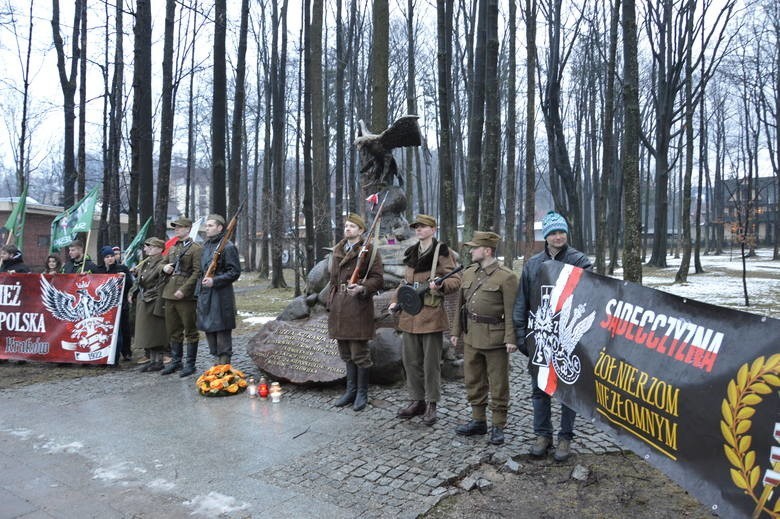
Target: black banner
(691, 387)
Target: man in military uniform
(351, 308)
(183, 267)
(422, 333)
(555, 231)
(486, 296)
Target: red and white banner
(60, 318)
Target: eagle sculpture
(377, 149)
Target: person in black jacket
(78, 263)
(555, 231)
(12, 260)
(216, 300)
(110, 266)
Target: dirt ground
(617, 486)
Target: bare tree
(511, 139)
(68, 86)
(166, 123)
(219, 110)
(447, 199)
(492, 144)
(239, 101)
(278, 80)
(530, 139)
(142, 140)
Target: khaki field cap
(423, 219)
(484, 239)
(182, 222)
(357, 220)
(216, 218)
(155, 242)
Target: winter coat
(15, 264)
(568, 255)
(150, 329)
(487, 295)
(418, 270)
(74, 267)
(351, 318)
(185, 256)
(129, 280)
(217, 304)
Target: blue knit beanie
(553, 221)
(106, 251)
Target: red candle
(262, 388)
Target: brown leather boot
(416, 408)
(429, 418)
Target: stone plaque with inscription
(297, 351)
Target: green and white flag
(74, 220)
(15, 223)
(131, 252)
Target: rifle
(229, 231)
(361, 259)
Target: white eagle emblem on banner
(91, 332)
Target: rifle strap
(372, 241)
(435, 262)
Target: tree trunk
(608, 151)
(511, 140)
(476, 124)
(141, 138)
(239, 102)
(685, 264)
(219, 111)
(68, 86)
(21, 170)
(168, 110)
(492, 144)
(320, 176)
(380, 57)
(632, 221)
(530, 123)
(82, 152)
(278, 80)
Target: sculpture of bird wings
(61, 304)
(109, 295)
(403, 132)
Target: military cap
(484, 239)
(215, 217)
(357, 220)
(182, 222)
(423, 219)
(155, 242)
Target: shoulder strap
(435, 261)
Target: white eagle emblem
(557, 335)
(91, 330)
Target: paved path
(128, 444)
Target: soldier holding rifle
(355, 276)
(422, 332)
(216, 300)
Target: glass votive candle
(275, 392)
(251, 388)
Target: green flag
(74, 220)
(131, 252)
(15, 223)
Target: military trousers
(355, 351)
(422, 363)
(180, 320)
(486, 373)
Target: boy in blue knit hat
(556, 235)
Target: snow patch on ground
(257, 319)
(214, 504)
(55, 448)
(161, 484)
(112, 473)
(22, 434)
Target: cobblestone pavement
(401, 468)
(367, 464)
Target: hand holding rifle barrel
(208, 276)
(353, 288)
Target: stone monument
(296, 347)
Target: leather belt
(485, 319)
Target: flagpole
(86, 248)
